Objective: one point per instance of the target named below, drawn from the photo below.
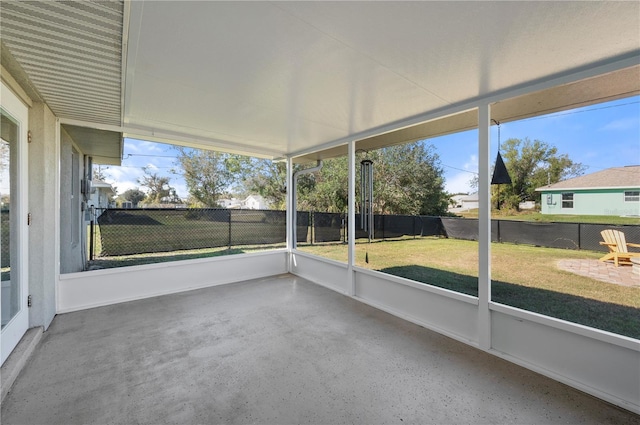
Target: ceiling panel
(280, 78)
(288, 76)
(72, 54)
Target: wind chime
(500, 172)
(366, 200)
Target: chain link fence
(138, 231)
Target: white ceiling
(280, 78)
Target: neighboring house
(464, 202)
(614, 191)
(527, 205)
(101, 195)
(232, 203)
(254, 202)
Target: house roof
(99, 184)
(294, 78)
(612, 178)
(470, 198)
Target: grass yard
(557, 218)
(524, 276)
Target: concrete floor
(276, 351)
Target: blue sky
(598, 136)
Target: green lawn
(524, 276)
(558, 218)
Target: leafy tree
(407, 180)
(159, 189)
(533, 164)
(208, 174)
(135, 196)
(269, 179)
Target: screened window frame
(632, 196)
(566, 202)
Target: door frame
(18, 325)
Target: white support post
(484, 227)
(290, 213)
(351, 219)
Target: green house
(614, 191)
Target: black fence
(136, 231)
(551, 235)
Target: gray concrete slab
(276, 351)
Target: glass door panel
(14, 116)
(10, 289)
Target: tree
(532, 164)
(269, 179)
(134, 196)
(160, 191)
(407, 180)
(98, 173)
(208, 174)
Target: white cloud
(459, 183)
(472, 164)
(123, 178)
(622, 124)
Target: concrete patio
(276, 351)
(602, 271)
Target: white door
(13, 220)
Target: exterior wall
(71, 255)
(591, 202)
(100, 198)
(43, 171)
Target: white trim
(396, 279)
(126, 18)
(321, 259)
(83, 290)
(567, 381)
(14, 86)
(459, 296)
(164, 265)
(351, 219)
(56, 216)
(574, 189)
(414, 320)
(484, 226)
(578, 329)
(18, 324)
(290, 208)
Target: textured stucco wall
(71, 258)
(43, 169)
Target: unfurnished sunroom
(296, 82)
